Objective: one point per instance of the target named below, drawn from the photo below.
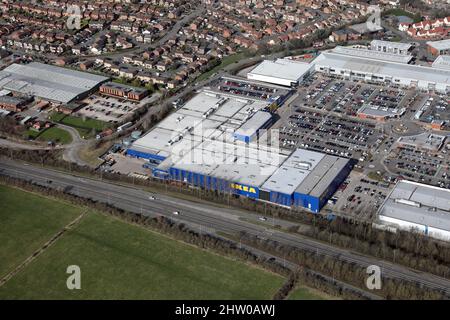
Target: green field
(85, 126)
(27, 222)
(304, 293)
(56, 135)
(51, 134)
(117, 260)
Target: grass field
(51, 134)
(57, 135)
(27, 222)
(85, 126)
(117, 260)
(304, 293)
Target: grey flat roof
(10, 100)
(377, 67)
(380, 111)
(373, 54)
(432, 205)
(47, 81)
(282, 68)
(305, 172)
(424, 140)
(440, 45)
(206, 115)
(362, 28)
(234, 163)
(254, 123)
(322, 176)
(293, 171)
(442, 62)
(392, 44)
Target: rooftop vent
(408, 202)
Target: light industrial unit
(391, 46)
(420, 207)
(285, 72)
(48, 82)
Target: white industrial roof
(442, 62)
(156, 142)
(306, 172)
(424, 140)
(293, 171)
(231, 162)
(440, 45)
(372, 54)
(380, 111)
(392, 44)
(206, 116)
(371, 66)
(322, 176)
(253, 124)
(285, 69)
(47, 81)
(419, 203)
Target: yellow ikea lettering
(243, 188)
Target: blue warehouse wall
(307, 201)
(340, 178)
(281, 198)
(316, 203)
(144, 155)
(243, 138)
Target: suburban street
(205, 217)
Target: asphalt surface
(206, 217)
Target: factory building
(418, 207)
(211, 143)
(14, 104)
(55, 84)
(284, 72)
(391, 47)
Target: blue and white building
(212, 143)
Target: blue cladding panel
(243, 138)
(160, 173)
(307, 201)
(281, 198)
(144, 155)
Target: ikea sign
(245, 190)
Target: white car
(151, 198)
(176, 213)
(263, 218)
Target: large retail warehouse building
(419, 207)
(211, 142)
